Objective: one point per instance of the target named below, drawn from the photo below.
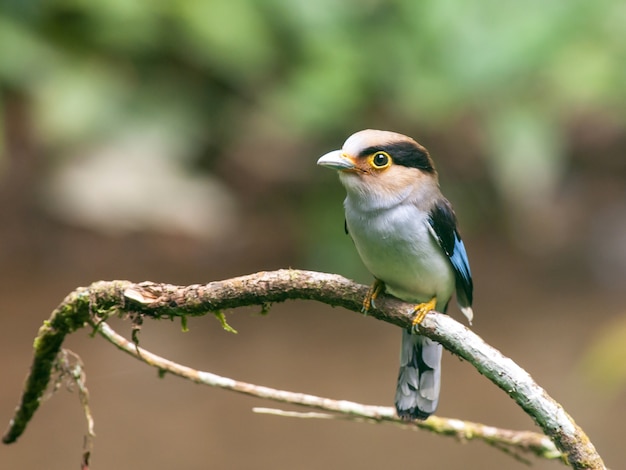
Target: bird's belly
(413, 268)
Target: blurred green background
(176, 141)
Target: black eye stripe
(405, 154)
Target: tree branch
(504, 439)
(94, 304)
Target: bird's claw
(420, 311)
(372, 294)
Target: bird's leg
(372, 294)
(420, 310)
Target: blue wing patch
(443, 223)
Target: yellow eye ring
(380, 160)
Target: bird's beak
(336, 160)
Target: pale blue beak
(336, 160)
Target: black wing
(443, 222)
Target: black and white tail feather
(419, 380)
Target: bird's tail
(419, 379)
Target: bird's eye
(381, 160)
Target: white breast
(397, 247)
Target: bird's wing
(443, 226)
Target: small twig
(305, 414)
(537, 444)
(506, 440)
(70, 372)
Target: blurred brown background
(177, 141)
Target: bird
(405, 232)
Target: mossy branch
(94, 304)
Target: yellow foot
(372, 295)
(420, 310)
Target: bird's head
(382, 164)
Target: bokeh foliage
(91, 68)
